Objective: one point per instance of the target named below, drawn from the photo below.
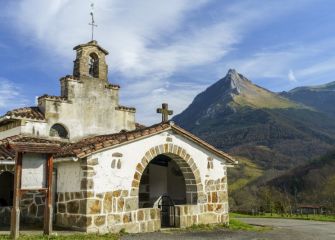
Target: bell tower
(90, 61)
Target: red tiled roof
(6, 154)
(26, 144)
(26, 112)
(88, 146)
(139, 126)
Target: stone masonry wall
(214, 211)
(103, 212)
(32, 207)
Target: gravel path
(282, 229)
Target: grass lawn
(293, 216)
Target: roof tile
(26, 112)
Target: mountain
(240, 117)
(320, 97)
(267, 132)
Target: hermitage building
(110, 173)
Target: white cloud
(291, 77)
(149, 40)
(10, 96)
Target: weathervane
(93, 22)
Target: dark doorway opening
(162, 177)
(6, 189)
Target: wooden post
(48, 210)
(15, 218)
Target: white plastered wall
(110, 179)
(68, 176)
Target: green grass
(246, 171)
(234, 224)
(66, 237)
(294, 216)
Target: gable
(92, 145)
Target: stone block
(60, 197)
(99, 220)
(139, 167)
(214, 197)
(82, 206)
(134, 192)
(117, 193)
(78, 195)
(126, 218)
(84, 221)
(120, 204)
(108, 202)
(61, 208)
(140, 215)
(153, 214)
(207, 218)
(137, 176)
(73, 207)
(113, 219)
(94, 206)
(92, 162)
(135, 184)
(150, 226)
(131, 203)
(67, 196)
(132, 227)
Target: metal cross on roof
(92, 23)
(165, 112)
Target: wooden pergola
(22, 148)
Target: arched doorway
(6, 189)
(168, 170)
(162, 177)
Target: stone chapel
(110, 172)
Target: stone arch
(93, 65)
(191, 173)
(59, 130)
(6, 188)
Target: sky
(165, 51)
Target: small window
(59, 130)
(93, 65)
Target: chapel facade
(111, 173)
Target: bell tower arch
(90, 61)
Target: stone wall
(105, 212)
(89, 211)
(32, 207)
(214, 211)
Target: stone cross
(92, 23)
(165, 112)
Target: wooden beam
(15, 218)
(48, 210)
